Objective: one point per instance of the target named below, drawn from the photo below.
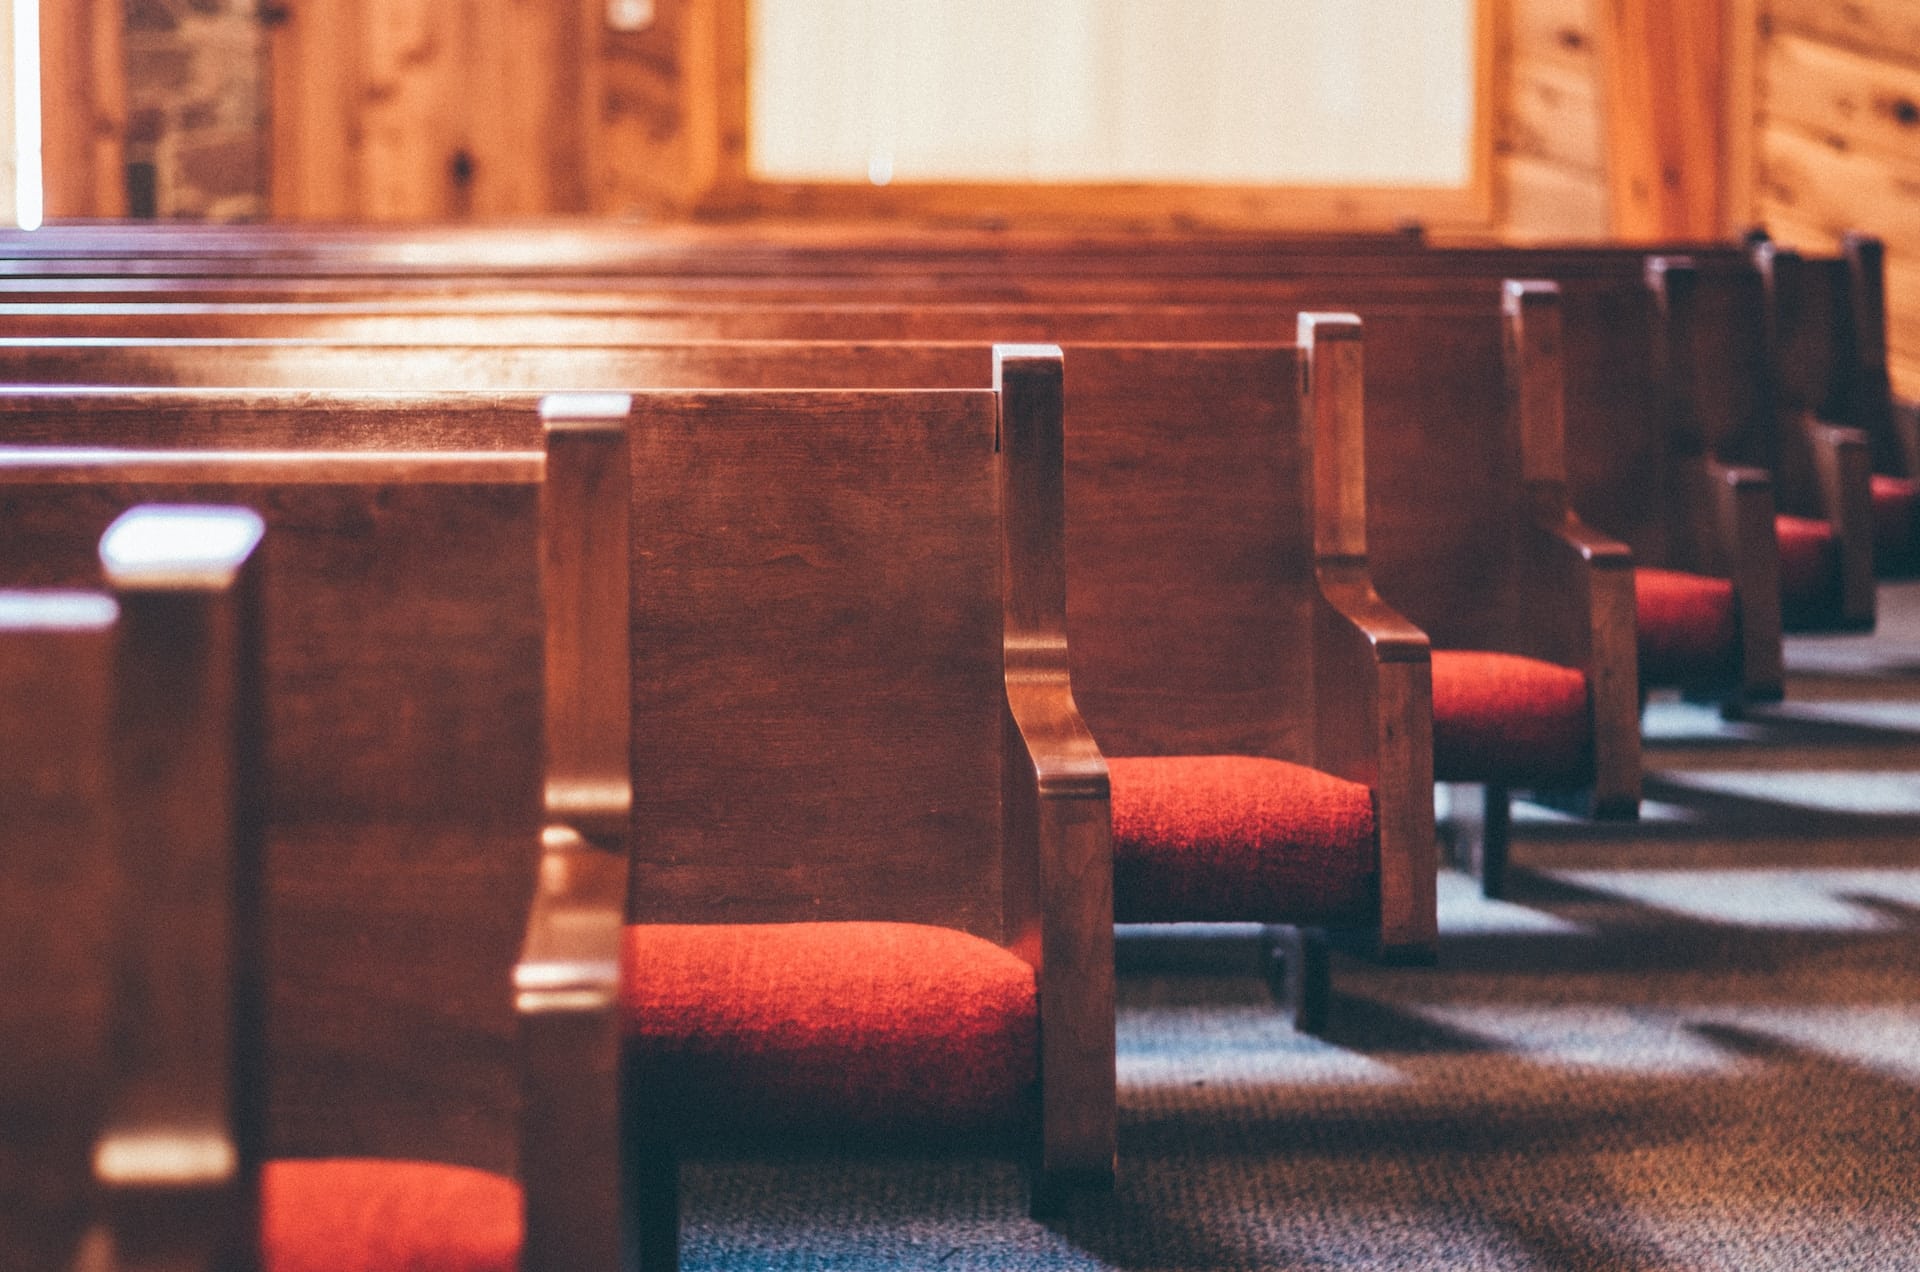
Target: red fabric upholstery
(1688, 631)
(1809, 568)
(865, 1028)
(1894, 500)
(1509, 720)
(356, 1215)
(1232, 837)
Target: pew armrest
(566, 993)
(1373, 723)
(1588, 576)
(1737, 541)
(1842, 469)
(1061, 909)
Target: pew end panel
(60, 901)
(1057, 794)
(185, 1129)
(584, 547)
(1732, 536)
(1373, 682)
(1865, 391)
(402, 765)
(1582, 580)
(1843, 473)
(1906, 425)
(566, 990)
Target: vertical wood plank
(83, 116)
(1662, 68)
(315, 78)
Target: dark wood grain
(185, 1129)
(802, 573)
(402, 680)
(1057, 795)
(59, 906)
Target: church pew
(1739, 421)
(161, 875)
(1724, 364)
(402, 760)
(57, 902)
(1629, 474)
(1459, 481)
(872, 885)
(1860, 394)
(1108, 383)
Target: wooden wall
(83, 107)
(1838, 140)
(419, 110)
(1553, 164)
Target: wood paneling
(1887, 29)
(408, 110)
(1546, 201)
(1553, 114)
(1663, 67)
(83, 107)
(1867, 104)
(1837, 141)
(1552, 146)
(1833, 188)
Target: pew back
(58, 905)
(402, 759)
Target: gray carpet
(1690, 1043)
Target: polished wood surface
(1587, 602)
(849, 695)
(798, 808)
(1059, 902)
(185, 1132)
(402, 763)
(1373, 679)
(60, 902)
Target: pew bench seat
(379, 1215)
(1506, 720)
(1220, 838)
(1809, 572)
(866, 1029)
(1688, 626)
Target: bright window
(1225, 92)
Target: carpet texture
(1691, 1043)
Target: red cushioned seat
(1894, 500)
(359, 1215)
(865, 1028)
(1217, 838)
(1510, 721)
(1687, 628)
(1809, 568)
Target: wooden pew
(1434, 454)
(1107, 384)
(168, 1144)
(848, 729)
(402, 764)
(1722, 357)
(58, 901)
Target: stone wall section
(197, 103)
